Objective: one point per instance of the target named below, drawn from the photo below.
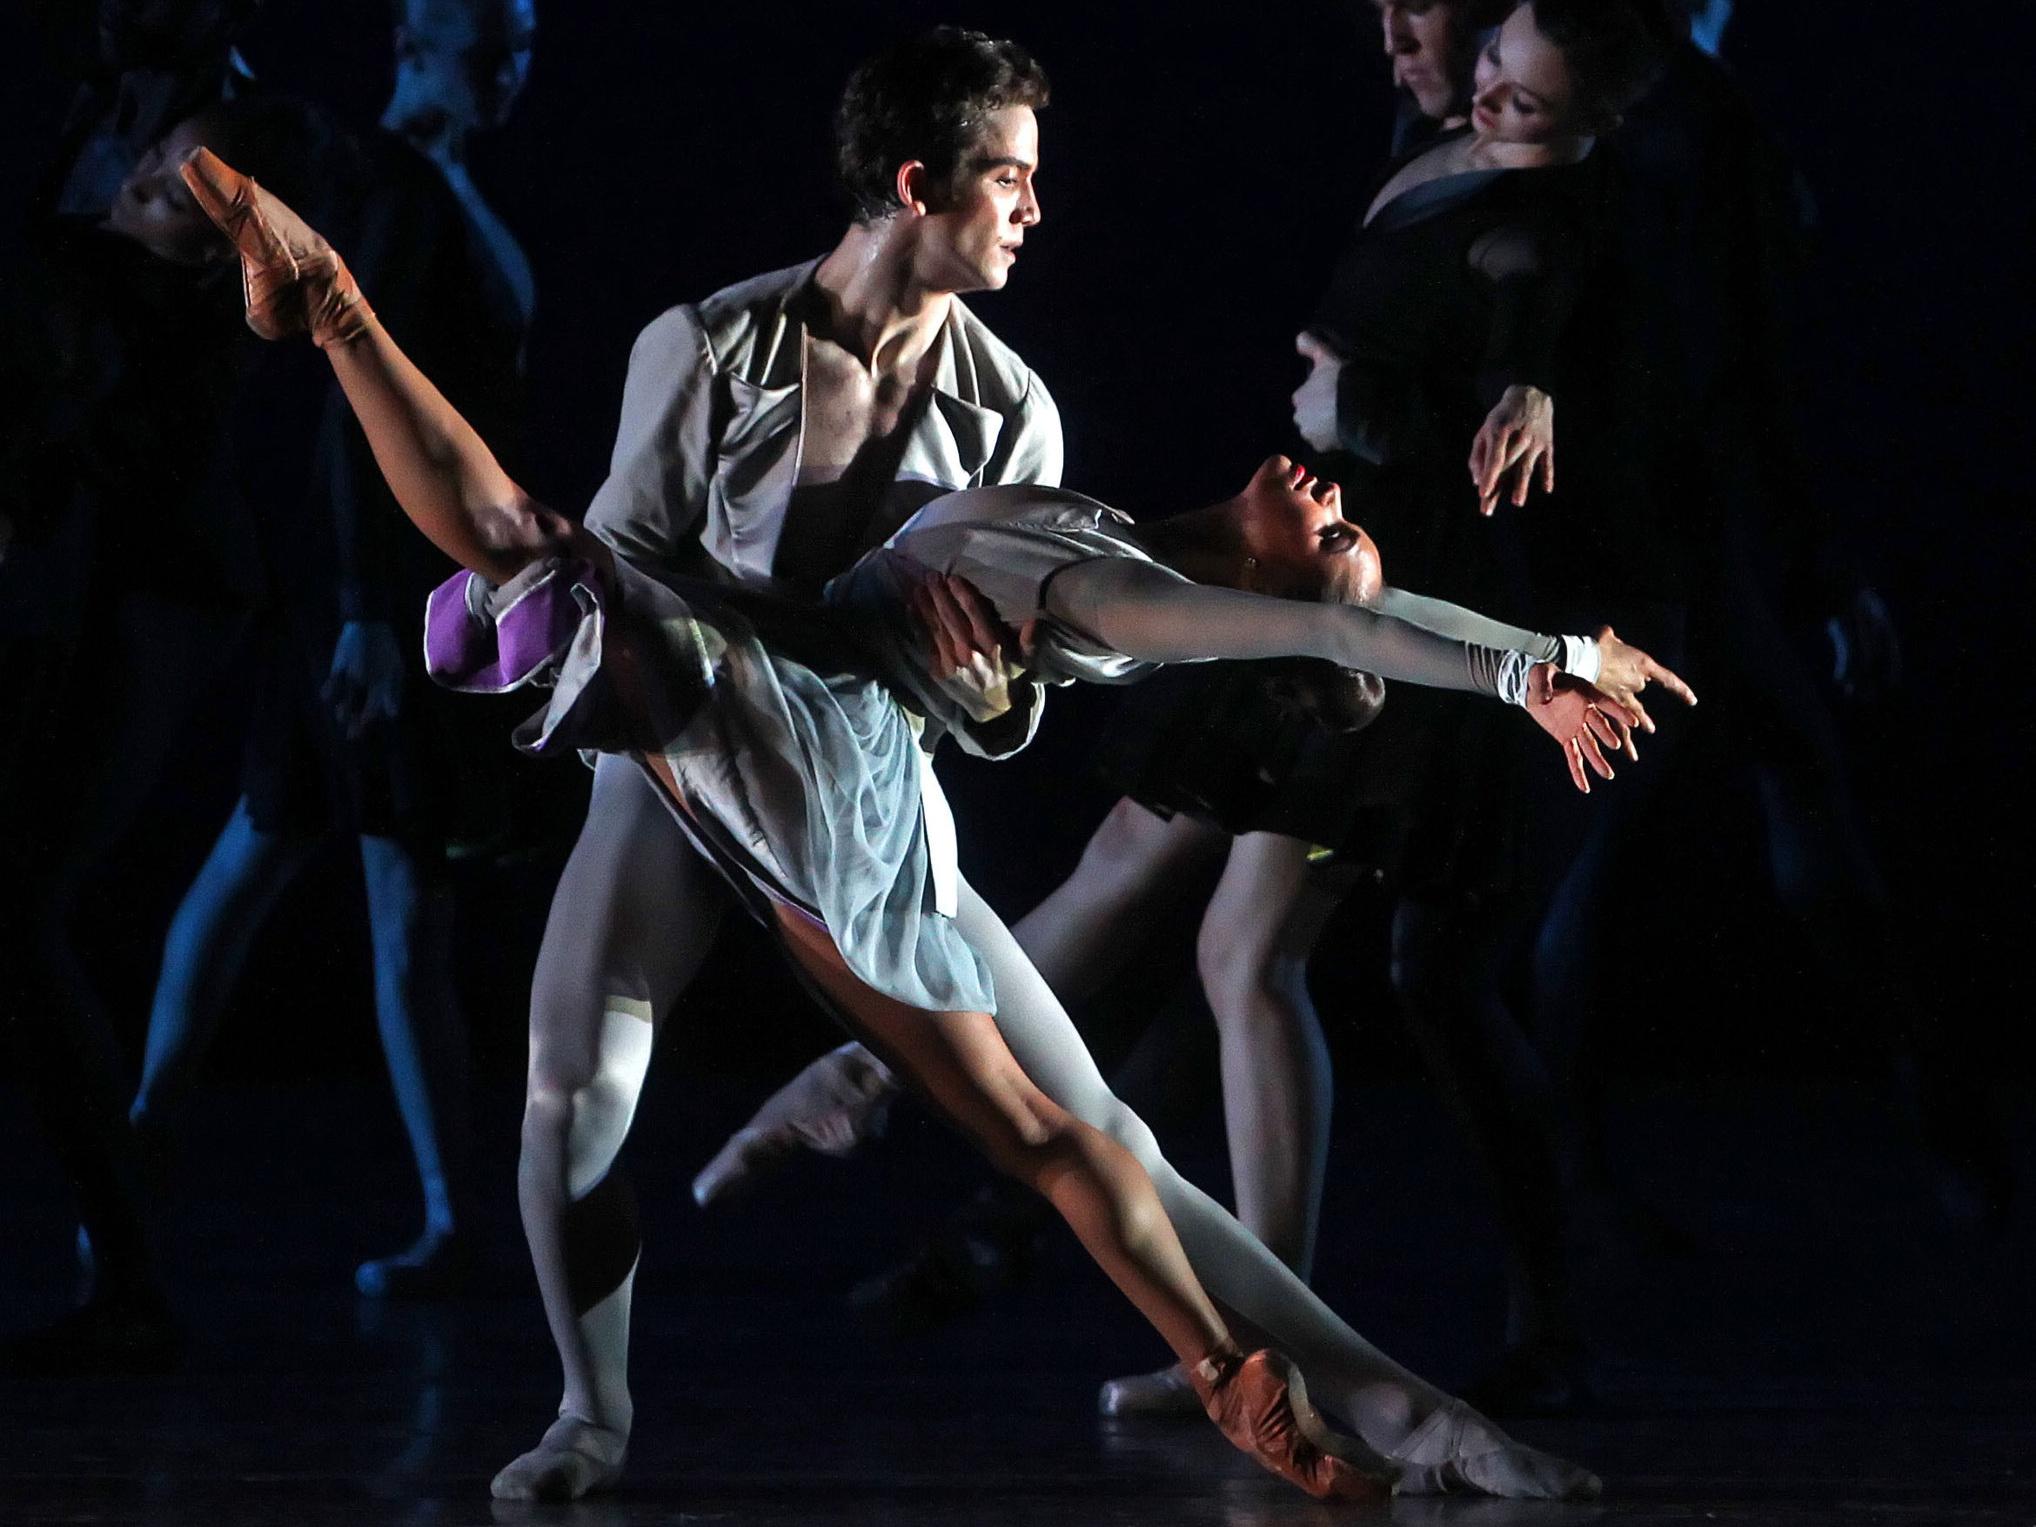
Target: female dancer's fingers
(1548, 467)
(926, 611)
(1609, 732)
(1593, 755)
(1572, 755)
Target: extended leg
(633, 916)
(960, 1061)
(424, 1039)
(1398, 1413)
(1135, 867)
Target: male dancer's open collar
(754, 336)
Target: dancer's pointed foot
(573, 1459)
(1165, 1395)
(831, 1107)
(293, 281)
(1456, 1451)
(1260, 1403)
(439, 1265)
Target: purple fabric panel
(488, 642)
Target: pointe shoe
(574, 1458)
(1166, 1394)
(1456, 1451)
(291, 279)
(831, 1107)
(1260, 1403)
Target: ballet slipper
(1456, 1451)
(1261, 1404)
(1162, 1395)
(574, 1458)
(831, 1107)
(291, 279)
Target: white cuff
(1581, 658)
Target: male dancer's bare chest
(853, 434)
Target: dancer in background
(127, 570)
(349, 737)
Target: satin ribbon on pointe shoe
(291, 278)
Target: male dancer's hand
(969, 640)
(1315, 398)
(1624, 670)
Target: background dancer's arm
(442, 472)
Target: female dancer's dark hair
(1614, 49)
(925, 99)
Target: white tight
(633, 916)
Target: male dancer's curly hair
(925, 99)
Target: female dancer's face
(1294, 526)
(1523, 92)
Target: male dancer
(768, 436)
(1269, 906)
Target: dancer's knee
(1243, 972)
(583, 1088)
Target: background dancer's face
(154, 207)
(1293, 525)
(1523, 92)
(975, 227)
(1430, 43)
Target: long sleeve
(1150, 615)
(655, 496)
(1574, 655)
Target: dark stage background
(1199, 169)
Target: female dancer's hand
(1582, 718)
(1624, 670)
(1516, 440)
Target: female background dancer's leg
(633, 916)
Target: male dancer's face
(971, 237)
(1431, 45)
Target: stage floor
(1829, 1353)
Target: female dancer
(802, 776)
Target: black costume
(1457, 290)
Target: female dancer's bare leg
(1444, 1444)
(961, 1063)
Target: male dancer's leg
(633, 916)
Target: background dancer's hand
(365, 685)
(1315, 398)
(1514, 445)
(1624, 670)
(1582, 718)
(972, 647)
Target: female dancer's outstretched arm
(1149, 614)
(441, 472)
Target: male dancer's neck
(876, 305)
